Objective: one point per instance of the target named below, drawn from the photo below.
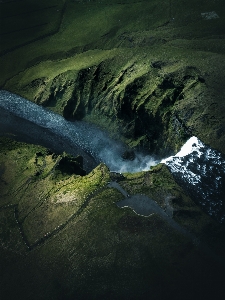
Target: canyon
(139, 79)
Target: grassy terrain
(152, 74)
(154, 62)
(24, 22)
(66, 238)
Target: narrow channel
(199, 169)
(31, 123)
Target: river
(199, 169)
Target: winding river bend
(199, 169)
(34, 124)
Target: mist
(197, 168)
(34, 124)
(107, 150)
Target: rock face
(70, 165)
(152, 74)
(156, 110)
(143, 106)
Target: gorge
(112, 149)
(199, 169)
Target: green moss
(24, 24)
(149, 72)
(77, 234)
(45, 198)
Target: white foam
(193, 144)
(200, 170)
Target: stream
(31, 123)
(197, 168)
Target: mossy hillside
(101, 257)
(111, 251)
(10, 236)
(58, 205)
(57, 78)
(159, 184)
(25, 22)
(46, 198)
(139, 61)
(152, 105)
(76, 94)
(19, 167)
(137, 36)
(82, 24)
(78, 243)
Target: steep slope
(64, 237)
(153, 69)
(152, 74)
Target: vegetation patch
(152, 74)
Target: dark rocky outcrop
(71, 165)
(147, 117)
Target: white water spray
(78, 134)
(199, 169)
